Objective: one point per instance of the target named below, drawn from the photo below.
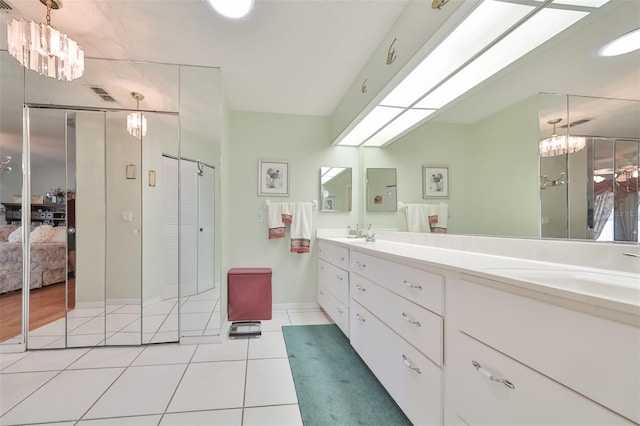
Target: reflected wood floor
(46, 304)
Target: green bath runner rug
(334, 386)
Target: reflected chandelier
(42, 48)
(136, 121)
(560, 144)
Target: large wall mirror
(489, 139)
(111, 196)
(336, 189)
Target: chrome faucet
(370, 238)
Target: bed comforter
(48, 265)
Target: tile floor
(236, 382)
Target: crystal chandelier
(136, 121)
(43, 49)
(560, 144)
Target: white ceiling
(287, 56)
(301, 56)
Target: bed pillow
(5, 231)
(15, 236)
(42, 234)
(59, 235)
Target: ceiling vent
(4, 5)
(103, 94)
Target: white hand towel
(442, 210)
(301, 227)
(274, 221)
(418, 217)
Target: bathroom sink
(602, 284)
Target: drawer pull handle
(339, 277)
(408, 364)
(488, 374)
(360, 289)
(411, 285)
(359, 318)
(342, 259)
(322, 292)
(339, 310)
(408, 319)
(361, 265)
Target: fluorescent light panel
(531, 34)
(330, 173)
(624, 44)
(493, 17)
(376, 119)
(399, 125)
(585, 3)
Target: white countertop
(603, 288)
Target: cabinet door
(334, 279)
(478, 395)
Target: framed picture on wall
(273, 178)
(329, 203)
(435, 181)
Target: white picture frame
(273, 178)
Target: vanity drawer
(414, 382)
(323, 297)
(421, 287)
(336, 255)
(478, 397)
(593, 356)
(334, 279)
(339, 313)
(420, 327)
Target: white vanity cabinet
(397, 329)
(333, 283)
(512, 359)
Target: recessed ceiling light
(233, 9)
(624, 44)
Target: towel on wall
(427, 217)
(301, 227)
(275, 222)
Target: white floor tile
(85, 340)
(130, 309)
(40, 342)
(269, 345)
(123, 421)
(210, 386)
(7, 359)
(278, 319)
(228, 350)
(165, 354)
(85, 312)
(122, 338)
(139, 391)
(308, 318)
(204, 418)
(107, 357)
(65, 398)
(269, 382)
(46, 360)
(116, 321)
(17, 386)
(93, 326)
(75, 322)
(161, 308)
(277, 415)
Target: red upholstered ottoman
(249, 294)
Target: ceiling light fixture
(43, 49)
(560, 144)
(136, 121)
(624, 44)
(234, 9)
(463, 60)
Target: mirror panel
(336, 189)
(11, 101)
(382, 190)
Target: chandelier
(136, 121)
(560, 144)
(43, 49)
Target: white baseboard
(309, 306)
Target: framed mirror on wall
(382, 190)
(336, 189)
